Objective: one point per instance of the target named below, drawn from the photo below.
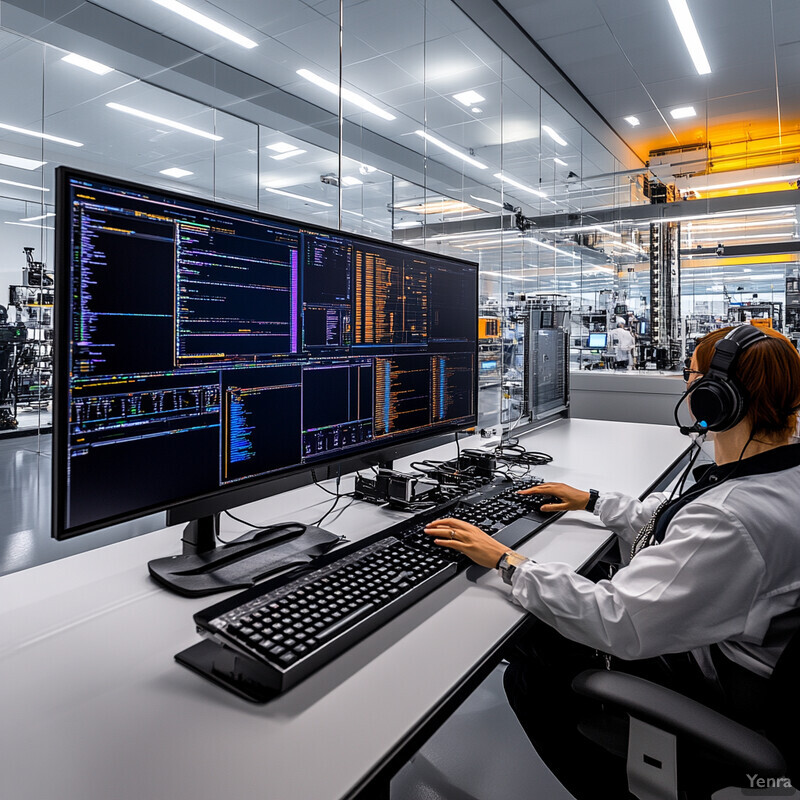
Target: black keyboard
(290, 626)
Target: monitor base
(243, 562)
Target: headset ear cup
(716, 402)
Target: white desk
(94, 707)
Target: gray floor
(480, 753)
(25, 498)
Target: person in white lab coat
(709, 590)
(623, 343)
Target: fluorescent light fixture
(31, 225)
(347, 94)
(740, 226)
(176, 172)
(486, 200)
(409, 224)
(559, 161)
(299, 197)
(554, 135)
(20, 163)
(206, 22)
(447, 148)
(87, 64)
(506, 179)
(690, 36)
(353, 213)
(468, 98)
(135, 112)
(556, 249)
(726, 238)
(633, 121)
(25, 185)
(289, 154)
(34, 219)
(755, 181)
(684, 112)
(281, 147)
(39, 135)
(349, 180)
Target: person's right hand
(571, 499)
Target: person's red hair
(769, 374)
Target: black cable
(276, 526)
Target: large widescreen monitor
(204, 349)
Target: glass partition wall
(404, 122)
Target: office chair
(666, 727)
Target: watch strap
(593, 497)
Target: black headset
(718, 400)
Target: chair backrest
(784, 706)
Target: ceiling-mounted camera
(331, 179)
(720, 249)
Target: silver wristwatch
(508, 563)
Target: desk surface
(95, 708)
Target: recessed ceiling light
(690, 36)
(347, 94)
(298, 197)
(633, 121)
(505, 179)
(39, 135)
(281, 147)
(477, 110)
(34, 219)
(468, 98)
(25, 185)
(20, 163)
(452, 150)
(31, 225)
(554, 135)
(684, 112)
(349, 180)
(288, 154)
(87, 64)
(176, 172)
(559, 161)
(207, 23)
(163, 121)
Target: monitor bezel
(218, 500)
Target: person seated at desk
(709, 590)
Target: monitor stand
(206, 568)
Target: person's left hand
(465, 538)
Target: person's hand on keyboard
(462, 537)
(572, 499)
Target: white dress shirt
(729, 565)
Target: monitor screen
(547, 319)
(643, 329)
(597, 341)
(203, 348)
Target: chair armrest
(686, 718)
